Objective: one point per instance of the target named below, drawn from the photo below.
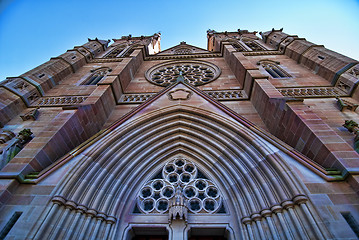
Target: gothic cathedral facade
(255, 137)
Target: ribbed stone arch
(260, 190)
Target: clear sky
(33, 31)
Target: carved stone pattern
(200, 194)
(354, 71)
(30, 115)
(179, 94)
(343, 86)
(60, 101)
(268, 52)
(343, 104)
(204, 55)
(220, 95)
(183, 51)
(228, 94)
(135, 98)
(194, 72)
(17, 84)
(105, 60)
(5, 136)
(312, 92)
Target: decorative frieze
(105, 60)
(225, 95)
(258, 53)
(312, 92)
(183, 56)
(60, 101)
(135, 97)
(220, 95)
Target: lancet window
(254, 46)
(180, 188)
(115, 52)
(274, 70)
(97, 76)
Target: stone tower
(254, 138)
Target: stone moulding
(59, 101)
(186, 56)
(179, 94)
(135, 97)
(305, 92)
(228, 95)
(219, 95)
(72, 205)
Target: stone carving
(312, 92)
(228, 94)
(220, 95)
(184, 56)
(60, 101)
(343, 104)
(183, 51)
(264, 52)
(17, 84)
(62, 201)
(353, 127)
(180, 187)
(30, 115)
(180, 94)
(354, 71)
(178, 206)
(135, 97)
(194, 72)
(21, 85)
(14, 147)
(5, 136)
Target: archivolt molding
(256, 182)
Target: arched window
(97, 76)
(115, 52)
(273, 69)
(254, 45)
(238, 47)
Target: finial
(180, 78)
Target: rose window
(180, 176)
(194, 72)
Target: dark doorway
(150, 238)
(149, 233)
(208, 234)
(207, 238)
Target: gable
(182, 49)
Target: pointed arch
(256, 182)
(116, 51)
(97, 75)
(273, 68)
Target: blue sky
(33, 31)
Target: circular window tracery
(200, 194)
(194, 72)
